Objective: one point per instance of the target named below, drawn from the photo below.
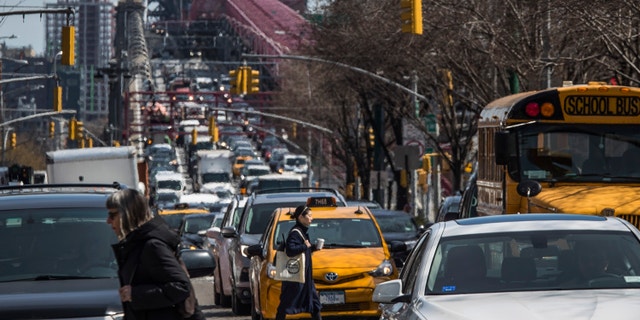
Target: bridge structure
(220, 31)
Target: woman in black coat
(152, 280)
(298, 297)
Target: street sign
(431, 124)
(407, 157)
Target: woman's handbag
(290, 268)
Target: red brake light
(532, 109)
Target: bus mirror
(529, 188)
(501, 147)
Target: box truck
(95, 165)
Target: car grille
(633, 219)
(345, 307)
(341, 279)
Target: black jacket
(298, 297)
(147, 261)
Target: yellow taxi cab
(354, 259)
(174, 216)
(238, 164)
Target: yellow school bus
(572, 149)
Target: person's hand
(125, 293)
(307, 243)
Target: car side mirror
(397, 246)
(255, 250)
(200, 262)
(229, 232)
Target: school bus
(572, 149)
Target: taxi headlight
(384, 269)
(271, 271)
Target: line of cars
(356, 257)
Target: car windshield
(45, 244)
(546, 260)
(195, 224)
(338, 233)
(215, 177)
(170, 184)
(173, 220)
(397, 224)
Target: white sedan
(521, 266)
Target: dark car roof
(57, 200)
(387, 212)
(274, 197)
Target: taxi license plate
(332, 297)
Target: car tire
(219, 298)
(225, 301)
(237, 307)
(217, 287)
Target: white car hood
(618, 304)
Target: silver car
(521, 266)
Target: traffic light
(294, 130)
(411, 16)
(90, 142)
(194, 136)
(14, 140)
(215, 137)
(426, 163)
(80, 130)
(404, 178)
(57, 99)
(213, 129)
(68, 46)
(52, 129)
(372, 138)
(253, 81)
(73, 128)
(238, 81)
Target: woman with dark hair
(298, 297)
(153, 282)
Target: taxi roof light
(321, 202)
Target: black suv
(56, 260)
(253, 222)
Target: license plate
(332, 297)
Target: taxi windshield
(338, 233)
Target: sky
(28, 30)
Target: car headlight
(243, 250)
(271, 271)
(384, 269)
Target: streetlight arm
(371, 74)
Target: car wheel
(217, 288)
(225, 300)
(236, 304)
(255, 315)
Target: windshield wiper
(340, 245)
(46, 277)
